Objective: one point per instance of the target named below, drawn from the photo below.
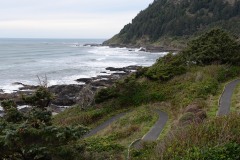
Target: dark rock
(25, 109)
(92, 45)
(115, 69)
(102, 76)
(85, 80)
(18, 83)
(68, 95)
(148, 48)
(28, 87)
(65, 94)
(120, 74)
(143, 49)
(132, 67)
(123, 69)
(1, 113)
(101, 83)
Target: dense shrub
(206, 87)
(167, 67)
(228, 72)
(215, 46)
(31, 135)
(105, 94)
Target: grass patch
(235, 106)
(91, 117)
(116, 137)
(132, 126)
(196, 139)
(212, 102)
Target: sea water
(62, 61)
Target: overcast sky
(66, 18)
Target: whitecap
(10, 88)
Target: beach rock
(1, 113)
(28, 87)
(18, 83)
(101, 83)
(120, 73)
(85, 80)
(68, 95)
(103, 72)
(65, 95)
(123, 69)
(143, 49)
(92, 45)
(115, 69)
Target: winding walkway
(152, 135)
(155, 131)
(226, 97)
(104, 125)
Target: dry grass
(130, 127)
(235, 107)
(215, 132)
(90, 118)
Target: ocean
(62, 61)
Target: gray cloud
(66, 18)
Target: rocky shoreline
(148, 48)
(68, 95)
(144, 48)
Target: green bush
(215, 46)
(166, 68)
(209, 86)
(228, 151)
(105, 94)
(102, 144)
(134, 93)
(31, 135)
(228, 72)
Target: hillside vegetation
(186, 85)
(167, 21)
(190, 80)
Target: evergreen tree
(31, 135)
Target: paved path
(226, 97)
(155, 131)
(104, 125)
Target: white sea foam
(10, 88)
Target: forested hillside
(178, 19)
